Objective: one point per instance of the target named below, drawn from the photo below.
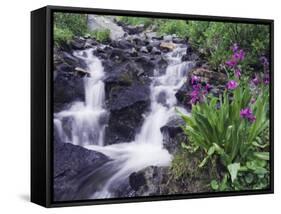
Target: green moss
(136, 20)
(101, 35)
(62, 36)
(127, 78)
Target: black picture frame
(42, 108)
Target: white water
(147, 148)
(86, 117)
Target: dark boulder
(122, 97)
(173, 135)
(134, 29)
(72, 60)
(70, 162)
(124, 123)
(78, 43)
(68, 88)
(149, 181)
(190, 57)
(181, 94)
(208, 76)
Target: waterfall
(87, 118)
(88, 123)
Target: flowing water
(88, 124)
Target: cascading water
(128, 157)
(87, 118)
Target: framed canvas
(141, 106)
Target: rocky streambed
(116, 129)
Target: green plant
(178, 27)
(213, 39)
(62, 36)
(76, 23)
(101, 35)
(136, 20)
(67, 25)
(218, 128)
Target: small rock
(167, 46)
(144, 50)
(156, 51)
(82, 72)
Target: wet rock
(72, 60)
(181, 94)
(126, 105)
(68, 88)
(209, 76)
(123, 44)
(78, 43)
(82, 72)
(122, 97)
(178, 40)
(167, 46)
(155, 51)
(144, 50)
(190, 57)
(69, 59)
(64, 67)
(69, 162)
(146, 64)
(133, 52)
(173, 135)
(134, 29)
(149, 181)
(158, 37)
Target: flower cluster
(231, 85)
(247, 113)
(237, 56)
(200, 89)
(265, 64)
(262, 78)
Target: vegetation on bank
(69, 25)
(213, 39)
(232, 129)
(229, 132)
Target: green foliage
(136, 20)
(214, 39)
(101, 35)
(178, 27)
(216, 128)
(62, 36)
(67, 25)
(76, 23)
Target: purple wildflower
(264, 61)
(195, 80)
(231, 85)
(256, 80)
(266, 79)
(196, 87)
(248, 114)
(234, 47)
(239, 55)
(237, 73)
(208, 87)
(195, 97)
(231, 63)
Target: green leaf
(262, 155)
(203, 162)
(214, 185)
(260, 171)
(233, 170)
(249, 178)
